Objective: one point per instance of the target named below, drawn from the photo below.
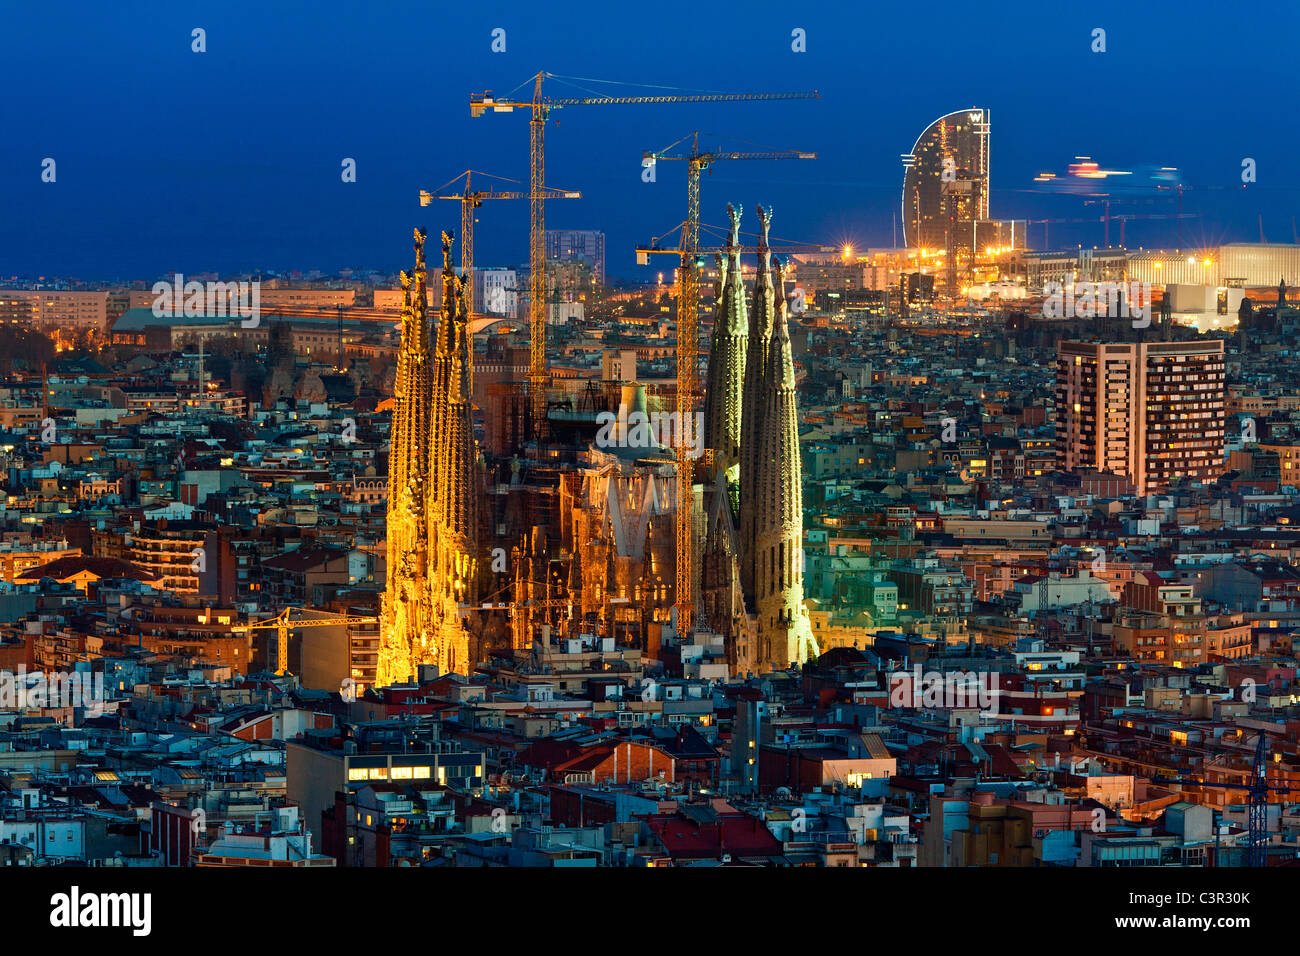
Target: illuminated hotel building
(946, 183)
(1153, 411)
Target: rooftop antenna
(199, 397)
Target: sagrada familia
(433, 484)
(591, 539)
(752, 573)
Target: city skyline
(618, 438)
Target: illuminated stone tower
(724, 389)
(754, 393)
(405, 611)
(769, 628)
(453, 512)
(721, 592)
(784, 633)
(432, 534)
(723, 598)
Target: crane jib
(690, 98)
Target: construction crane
(1257, 788)
(657, 247)
(1105, 202)
(540, 107)
(1105, 218)
(688, 320)
(282, 623)
(471, 199)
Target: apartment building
(49, 308)
(1152, 411)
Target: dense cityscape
(978, 548)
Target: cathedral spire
(764, 244)
(754, 399)
(770, 560)
(461, 345)
(448, 296)
(453, 527)
(433, 486)
(784, 633)
(724, 387)
(404, 616)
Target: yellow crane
(282, 623)
(540, 107)
(688, 323)
(471, 199)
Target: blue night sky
(229, 160)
